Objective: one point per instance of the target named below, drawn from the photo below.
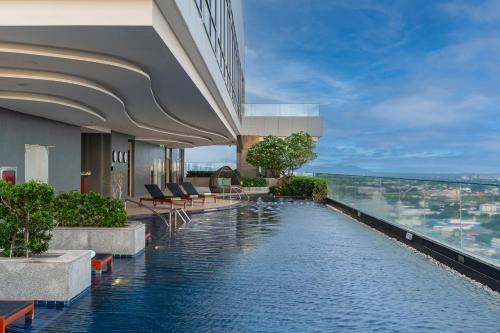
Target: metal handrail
(241, 191)
(182, 214)
(150, 209)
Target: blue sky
(404, 86)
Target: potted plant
(27, 269)
(95, 222)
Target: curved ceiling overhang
(164, 141)
(125, 82)
(56, 82)
(59, 108)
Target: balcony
(281, 110)
(282, 119)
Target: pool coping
(468, 265)
(191, 212)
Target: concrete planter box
(264, 189)
(271, 182)
(198, 181)
(55, 276)
(123, 241)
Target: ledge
(121, 241)
(470, 266)
(56, 276)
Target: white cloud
(279, 80)
(426, 109)
(487, 11)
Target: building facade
(105, 95)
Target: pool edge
(459, 261)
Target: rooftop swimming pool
(276, 267)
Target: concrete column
(244, 142)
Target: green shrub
(199, 173)
(68, 208)
(253, 182)
(26, 218)
(309, 187)
(89, 210)
(320, 190)
(277, 190)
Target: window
(217, 19)
(199, 5)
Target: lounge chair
(191, 190)
(10, 311)
(157, 196)
(177, 191)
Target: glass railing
(464, 216)
(281, 110)
(206, 166)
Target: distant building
(489, 208)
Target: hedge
(253, 182)
(199, 173)
(73, 209)
(309, 187)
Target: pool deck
(135, 210)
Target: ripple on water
(277, 267)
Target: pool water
(277, 267)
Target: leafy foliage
(253, 182)
(26, 218)
(270, 153)
(199, 173)
(309, 187)
(89, 210)
(282, 156)
(300, 150)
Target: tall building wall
(18, 130)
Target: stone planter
(198, 181)
(271, 182)
(124, 241)
(55, 276)
(250, 190)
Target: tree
(300, 150)
(282, 156)
(270, 153)
(26, 218)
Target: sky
(403, 86)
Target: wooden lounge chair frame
(157, 196)
(28, 311)
(191, 190)
(100, 260)
(177, 192)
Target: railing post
(460, 214)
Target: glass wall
(282, 110)
(465, 216)
(206, 166)
(217, 19)
(175, 165)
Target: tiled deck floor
(134, 210)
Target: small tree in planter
(282, 156)
(26, 218)
(300, 150)
(270, 153)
